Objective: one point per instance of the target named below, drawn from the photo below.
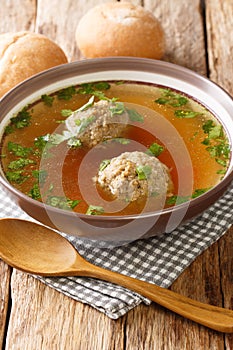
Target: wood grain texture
(5, 273)
(60, 25)
(182, 20)
(219, 24)
(42, 318)
(17, 15)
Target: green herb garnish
(104, 164)
(41, 175)
(134, 115)
(94, 210)
(22, 119)
(66, 112)
(182, 199)
(216, 143)
(41, 141)
(155, 149)
(86, 122)
(117, 108)
(73, 142)
(90, 88)
(143, 172)
(48, 100)
(18, 150)
(199, 191)
(35, 191)
(177, 200)
(16, 176)
(180, 113)
(171, 98)
(67, 93)
(20, 163)
(62, 202)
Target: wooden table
(199, 35)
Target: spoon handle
(214, 317)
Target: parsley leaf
(182, 199)
(94, 210)
(41, 141)
(34, 192)
(180, 113)
(171, 98)
(18, 150)
(74, 142)
(104, 164)
(117, 108)
(155, 149)
(134, 115)
(20, 163)
(41, 175)
(62, 202)
(16, 176)
(48, 100)
(66, 112)
(67, 93)
(143, 172)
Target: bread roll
(120, 29)
(24, 54)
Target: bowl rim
(109, 64)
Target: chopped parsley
(143, 172)
(94, 210)
(86, 122)
(180, 113)
(216, 143)
(134, 115)
(35, 191)
(16, 176)
(41, 175)
(48, 100)
(155, 149)
(117, 108)
(22, 119)
(171, 98)
(73, 142)
(67, 93)
(41, 141)
(104, 164)
(182, 199)
(62, 202)
(20, 163)
(91, 88)
(19, 150)
(66, 112)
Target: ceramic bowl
(120, 228)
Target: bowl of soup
(116, 149)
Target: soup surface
(46, 151)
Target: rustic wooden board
(42, 318)
(219, 23)
(5, 273)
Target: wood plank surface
(41, 318)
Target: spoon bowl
(37, 249)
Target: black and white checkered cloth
(158, 260)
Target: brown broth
(63, 166)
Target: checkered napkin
(158, 260)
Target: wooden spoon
(38, 250)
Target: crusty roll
(120, 29)
(23, 54)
